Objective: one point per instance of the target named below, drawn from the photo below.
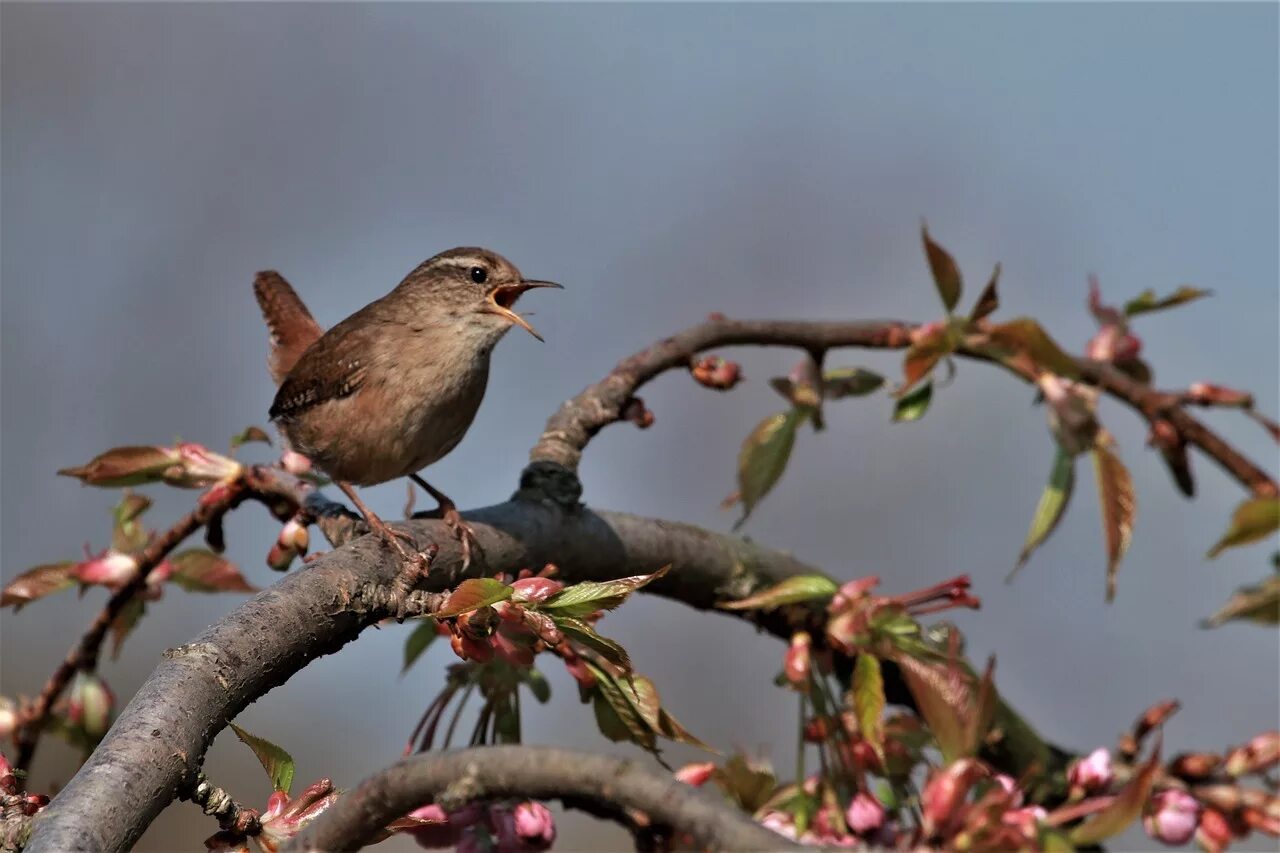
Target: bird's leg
(378, 526)
(452, 518)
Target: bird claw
(462, 532)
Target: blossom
(1172, 817)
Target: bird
(395, 386)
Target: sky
(662, 161)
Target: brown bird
(395, 386)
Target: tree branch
(600, 783)
(570, 429)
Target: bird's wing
(290, 324)
(330, 369)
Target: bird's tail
(290, 324)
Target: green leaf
(250, 433)
(748, 784)
(869, 701)
(1052, 506)
(1115, 496)
(277, 762)
(989, 301)
(793, 590)
(124, 623)
(1025, 336)
(913, 406)
(850, 382)
(537, 684)
(1259, 603)
(581, 632)
(764, 456)
(472, 594)
(127, 533)
(1253, 520)
(125, 466)
(199, 570)
(946, 275)
(1148, 301)
(1124, 809)
(37, 583)
(587, 597)
(616, 715)
(417, 642)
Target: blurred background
(663, 162)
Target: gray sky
(662, 162)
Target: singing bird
(394, 387)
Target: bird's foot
(462, 532)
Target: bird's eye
(479, 275)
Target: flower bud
(865, 814)
(1010, 788)
(1256, 756)
(1171, 817)
(781, 823)
(1194, 765)
(8, 718)
(8, 779)
(945, 791)
(1091, 774)
(111, 568)
(716, 373)
(535, 589)
(285, 817)
(634, 410)
(199, 466)
(433, 829)
(1204, 394)
(469, 649)
(294, 536)
(1214, 832)
(295, 463)
(696, 774)
(796, 663)
(89, 705)
(534, 825)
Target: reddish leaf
(124, 623)
(1116, 497)
(1254, 520)
(1124, 809)
(275, 760)
(793, 590)
(125, 466)
(1025, 336)
(472, 594)
(37, 583)
(989, 301)
(946, 275)
(199, 570)
(957, 710)
(922, 356)
(251, 433)
(589, 596)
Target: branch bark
(599, 783)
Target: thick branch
(155, 748)
(527, 772)
(570, 429)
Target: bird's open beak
(501, 299)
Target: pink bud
(294, 536)
(90, 703)
(534, 825)
(1256, 756)
(1025, 819)
(295, 463)
(945, 792)
(796, 664)
(535, 589)
(696, 774)
(781, 823)
(199, 466)
(1171, 817)
(8, 779)
(865, 814)
(434, 830)
(111, 568)
(1205, 394)
(1214, 833)
(1092, 773)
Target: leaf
(124, 623)
(584, 634)
(128, 534)
(946, 275)
(989, 301)
(625, 721)
(1259, 603)
(869, 701)
(199, 570)
(538, 685)
(751, 786)
(589, 596)
(130, 507)
(472, 594)
(1148, 301)
(986, 703)
(952, 705)
(1052, 506)
(643, 695)
(922, 356)
(418, 641)
(1115, 495)
(125, 466)
(1024, 335)
(250, 433)
(1253, 520)
(37, 583)
(1124, 809)
(277, 762)
(764, 456)
(849, 382)
(793, 590)
(913, 406)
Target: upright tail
(290, 324)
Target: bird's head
(474, 287)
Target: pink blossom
(1172, 817)
(534, 825)
(111, 568)
(1091, 773)
(865, 814)
(295, 463)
